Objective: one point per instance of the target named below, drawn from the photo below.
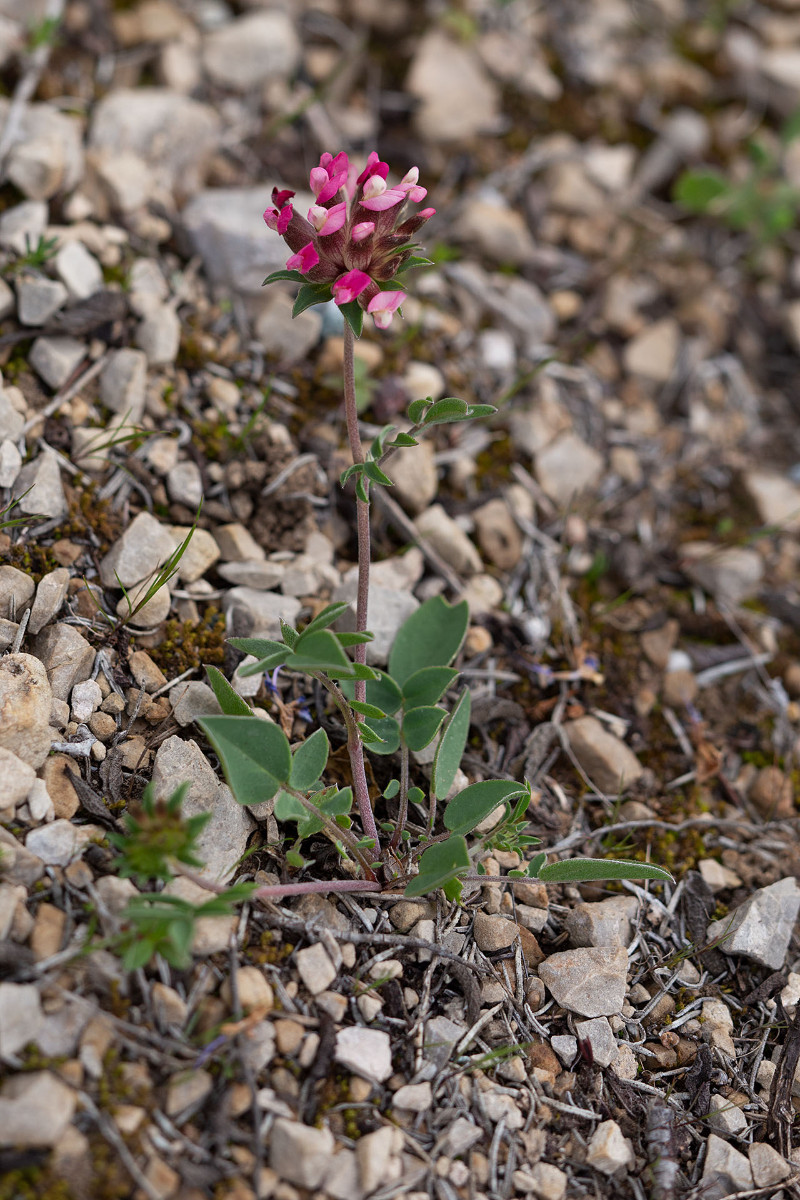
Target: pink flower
(383, 307)
(304, 260)
(350, 286)
(357, 235)
(327, 220)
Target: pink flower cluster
(354, 237)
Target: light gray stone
(493, 932)
(548, 1182)
(717, 1025)
(224, 839)
(600, 1037)
(236, 253)
(449, 540)
(415, 477)
(187, 1090)
(11, 421)
(260, 612)
(41, 480)
(762, 927)
(365, 1052)
(237, 544)
(60, 843)
(414, 1097)
(200, 554)
(78, 270)
(282, 336)
(123, 381)
(498, 231)
(23, 225)
(609, 763)
(730, 573)
(25, 702)
(386, 611)
(251, 50)
(20, 1016)
(56, 359)
(18, 778)
(38, 299)
(10, 463)
(724, 1117)
(66, 655)
(566, 1047)
(609, 1151)
(377, 1155)
(301, 1154)
(316, 969)
(144, 546)
(85, 699)
(185, 484)
(769, 1168)
(174, 135)
(16, 592)
(724, 1171)
(48, 158)
(35, 1109)
(51, 593)
(263, 576)
(148, 289)
(457, 99)
(607, 923)
(568, 466)
(191, 700)
(159, 335)
(212, 935)
(776, 498)
(441, 1037)
(588, 980)
(653, 353)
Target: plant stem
(402, 815)
(355, 746)
(275, 891)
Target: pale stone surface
(251, 50)
(730, 573)
(10, 463)
(41, 480)
(725, 1170)
(35, 1109)
(494, 933)
(365, 1052)
(377, 1157)
(601, 1038)
(776, 498)
(78, 270)
(235, 252)
(498, 536)
(123, 381)
(211, 934)
(48, 157)
(260, 613)
(85, 698)
(185, 484)
(300, 1154)
(50, 595)
(414, 475)
(761, 928)
(25, 702)
(653, 353)
(609, 1150)
(67, 657)
(610, 764)
(18, 778)
(20, 1016)
(159, 336)
(187, 1089)
(457, 98)
(548, 1182)
(200, 554)
(16, 592)
(717, 1023)
(224, 839)
(237, 544)
(568, 466)
(144, 546)
(282, 336)
(38, 299)
(56, 358)
(191, 699)
(316, 969)
(607, 923)
(449, 540)
(725, 1118)
(141, 613)
(768, 1166)
(589, 981)
(386, 612)
(60, 843)
(414, 1097)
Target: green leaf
(697, 191)
(229, 701)
(265, 664)
(404, 439)
(376, 475)
(430, 637)
(474, 803)
(415, 260)
(382, 691)
(420, 726)
(294, 276)
(318, 651)
(355, 469)
(369, 736)
(361, 488)
(390, 791)
(258, 647)
(790, 130)
(310, 294)
(450, 750)
(533, 868)
(362, 671)
(329, 614)
(427, 685)
(138, 954)
(367, 710)
(578, 870)
(309, 761)
(480, 410)
(290, 634)
(288, 808)
(442, 412)
(438, 865)
(388, 729)
(417, 409)
(255, 755)
(353, 313)
(354, 639)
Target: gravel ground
(625, 530)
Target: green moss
(34, 560)
(34, 1183)
(188, 644)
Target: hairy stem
(335, 832)
(355, 747)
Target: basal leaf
(438, 865)
(450, 750)
(430, 637)
(578, 870)
(474, 803)
(309, 761)
(420, 726)
(697, 191)
(290, 634)
(229, 700)
(258, 647)
(427, 686)
(277, 659)
(388, 729)
(255, 755)
(417, 409)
